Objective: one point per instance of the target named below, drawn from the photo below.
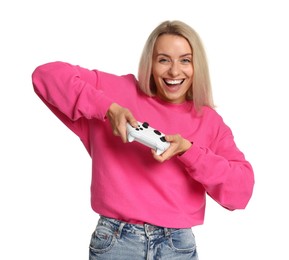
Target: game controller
(147, 136)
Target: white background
(45, 170)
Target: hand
(118, 117)
(178, 146)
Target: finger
(169, 138)
(123, 132)
(132, 121)
(159, 158)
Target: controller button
(163, 139)
(157, 132)
(145, 125)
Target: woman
(147, 202)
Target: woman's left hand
(178, 146)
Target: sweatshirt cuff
(103, 105)
(190, 156)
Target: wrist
(186, 147)
(111, 109)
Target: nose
(174, 69)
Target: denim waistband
(140, 229)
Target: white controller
(148, 136)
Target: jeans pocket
(182, 240)
(102, 240)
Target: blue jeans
(116, 240)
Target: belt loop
(168, 232)
(146, 229)
(118, 232)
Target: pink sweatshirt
(127, 183)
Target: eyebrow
(183, 55)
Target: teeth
(173, 82)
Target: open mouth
(173, 82)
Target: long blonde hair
(201, 91)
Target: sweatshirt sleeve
(72, 94)
(222, 169)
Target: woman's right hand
(118, 117)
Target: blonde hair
(201, 91)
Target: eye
(186, 61)
(164, 60)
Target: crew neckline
(184, 106)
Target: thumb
(132, 121)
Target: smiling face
(172, 68)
